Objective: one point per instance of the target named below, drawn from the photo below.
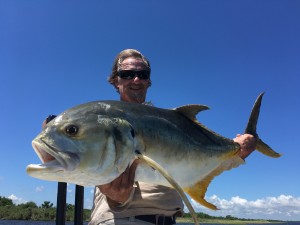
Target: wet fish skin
(93, 143)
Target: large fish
(93, 143)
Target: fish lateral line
(170, 179)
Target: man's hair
(120, 58)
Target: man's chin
(138, 96)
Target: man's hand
(47, 120)
(119, 190)
(247, 143)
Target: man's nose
(136, 78)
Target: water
(25, 222)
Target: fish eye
(72, 130)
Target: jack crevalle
(93, 143)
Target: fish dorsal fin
(190, 111)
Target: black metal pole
(79, 196)
(61, 203)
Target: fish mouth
(52, 158)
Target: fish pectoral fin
(170, 179)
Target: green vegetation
(30, 211)
(205, 218)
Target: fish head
(83, 146)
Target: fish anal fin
(197, 192)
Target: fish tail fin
(251, 129)
(266, 149)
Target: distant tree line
(228, 217)
(30, 211)
(206, 216)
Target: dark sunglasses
(130, 74)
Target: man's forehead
(133, 63)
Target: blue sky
(57, 54)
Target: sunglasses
(130, 74)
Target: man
(124, 201)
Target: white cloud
(70, 188)
(92, 190)
(16, 200)
(39, 188)
(89, 197)
(283, 207)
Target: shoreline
(220, 221)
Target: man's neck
(133, 100)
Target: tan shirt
(146, 199)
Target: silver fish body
(93, 143)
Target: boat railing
(61, 204)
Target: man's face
(135, 89)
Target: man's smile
(136, 87)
